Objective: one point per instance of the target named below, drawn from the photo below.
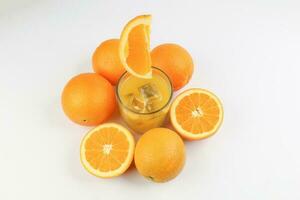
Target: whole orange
(88, 99)
(159, 154)
(175, 61)
(106, 61)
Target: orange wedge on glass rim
(107, 150)
(196, 114)
(134, 47)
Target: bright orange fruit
(175, 61)
(196, 114)
(106, 61)
(88, 99)
(134, 49)
(107, 150)
(159, 154)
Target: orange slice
(107, 150)
(134, 47)
(196, 114)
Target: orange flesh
(99, 142)
(139, 58)
(197, 113)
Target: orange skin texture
(106, 61)
(88, 99)
(175, 61)
(160, 154)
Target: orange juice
(144, 103)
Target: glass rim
(139, 113)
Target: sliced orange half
(134, 47)
(107, 150)
(196, 114)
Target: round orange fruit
(159, 154)
(88, 99)
(107, 150)
(175, 61)
(196, 114)
(106, 61)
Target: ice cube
(135, 102)
(150, 92)
(152, 105)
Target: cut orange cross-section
(196, 114)
(107, 150)
(134, 47)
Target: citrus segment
(196, 114)
(134, 49)
(107, 150)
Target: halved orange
(134, 47)
(196, 114)
(107, 150)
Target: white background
(247, 52)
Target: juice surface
(145, 95)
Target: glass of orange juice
(144, 103)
